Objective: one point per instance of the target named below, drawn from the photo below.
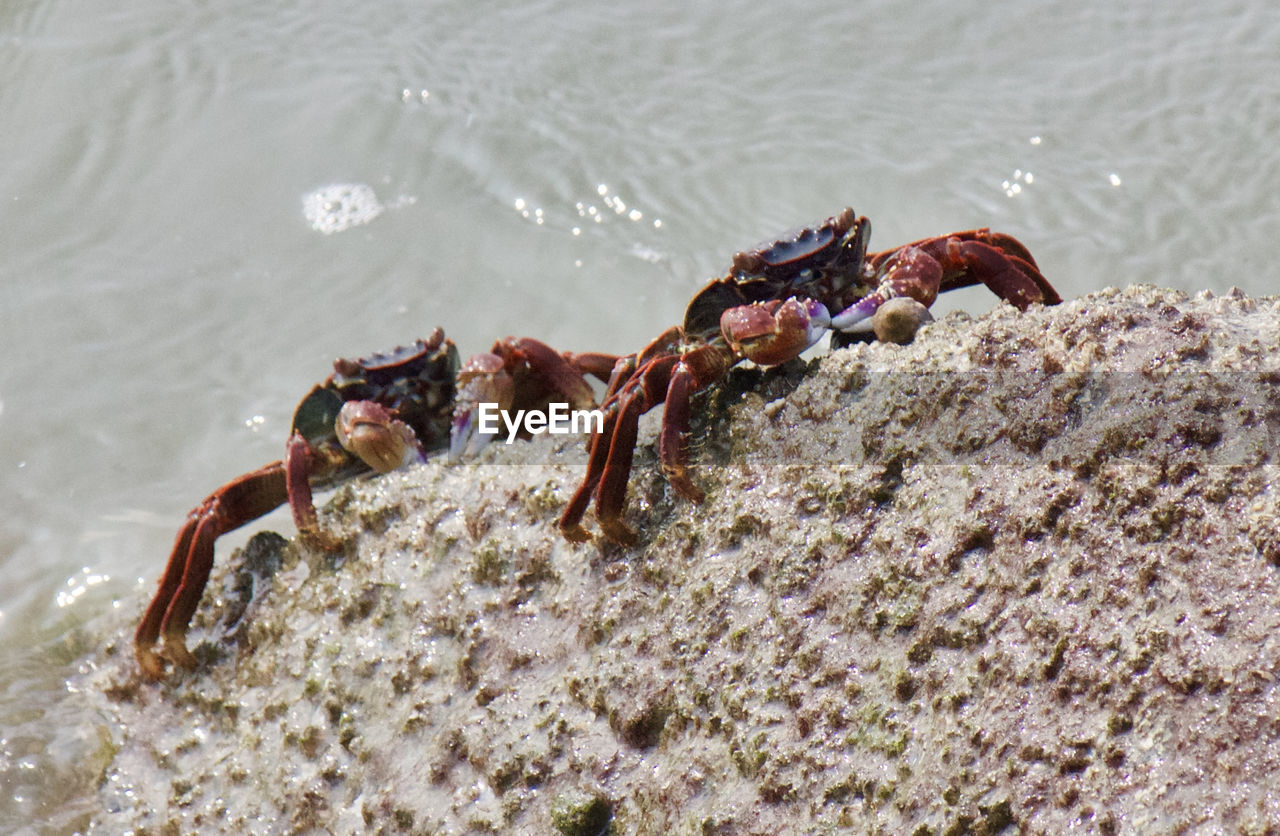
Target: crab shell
(823, 261)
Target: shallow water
(573, 172)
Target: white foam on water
(340, 206)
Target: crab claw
(368, 430)
(482, 379)
(913, 272)
(774, 332)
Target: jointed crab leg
(231, 506)
(923, 269)
(383, 444)
(642, 384)
(673, 440)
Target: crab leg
(611, 493)
(1001, 263)
(696, 370)
(673, 442)
(301, 461)
(646, 390)
(236, 503)
(608, 464)
(996, 260)
(599, 366)
(570, 522)
(670, 378)
(231, 506)
(571, 518)
(925, 268)
(622, 371)
(554, 371)
(631, 379)
(604, 463)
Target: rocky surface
(1022, 575)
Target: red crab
(371, 415)
(374, 414)
(775, 303)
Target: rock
(1020, 575)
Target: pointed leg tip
(150, 663)
(618, 532)
(575, 533)
(175, 650)
(321, 540)
(685, 487)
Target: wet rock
(579, 815)
(1019, 575)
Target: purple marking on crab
(819, 321)
(857, 317)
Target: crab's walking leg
(571, 518)
(609, 463)
(962, 259)
(671, 378)
(612, 490)
(634, 381)
(696, 370)
(167, 617)
(570, 522)
(600, 366)
(1002, 264)
(554, 371)
(673, 443)
(622, 371)
(298, 467)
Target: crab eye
(748, 264)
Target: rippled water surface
(175, 274)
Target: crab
(372, 415)
(777, 301)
